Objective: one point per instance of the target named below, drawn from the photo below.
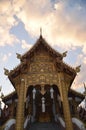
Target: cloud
(7, 21)
(25, 45)
(58, 6)
(80, 78)
(61, 26)
(4, 57)
(84, 49)
(6, 38)
(63, 22)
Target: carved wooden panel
(42, 70)
(41, 67)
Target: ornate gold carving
(42, 90)
(46, 78)
(42, 70)
(41, 67)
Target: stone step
(44, 126)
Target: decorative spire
(40, 32)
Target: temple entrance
(44, 111)
(43, 104)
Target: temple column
(64, 98)
(75, 107)
(20, 107)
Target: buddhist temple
(43, 98)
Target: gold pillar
(75, 107)
(20, 107)
(64, 98)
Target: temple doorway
(43, 103)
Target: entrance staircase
(44, 126)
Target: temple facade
(43, 93)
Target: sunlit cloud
(4, 58)
(80, 78)
(58, 25)
(78, 86)
(7, 39)
(7, 21)
(84, 49)
(84, 60)
(25, 45)
(58, 6)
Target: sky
(63, 24)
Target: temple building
(43, 98)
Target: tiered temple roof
(58, 57)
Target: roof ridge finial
(40, 32)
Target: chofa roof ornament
(18, 56)
(6, 71)
(64, 54)
(77, 69)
